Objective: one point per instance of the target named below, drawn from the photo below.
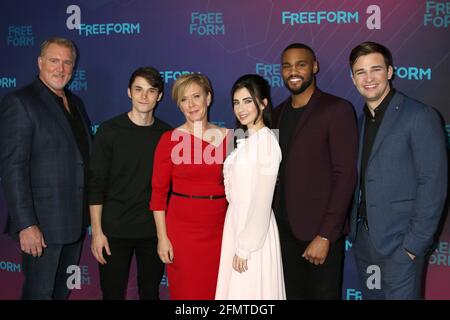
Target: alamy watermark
(187, 152)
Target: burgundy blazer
(320, 171)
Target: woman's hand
(165, 250)
(239, 264)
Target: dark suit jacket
(320, 172)
(41, 168)
(406, 178)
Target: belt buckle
(211, 197)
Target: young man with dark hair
(120, 176)
(402, 181)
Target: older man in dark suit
(44, 149)
(318, 138)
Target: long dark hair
(259, 90)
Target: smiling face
(56, 66)
(194, 103)
(143, 95)
(298, 70)
(245, 109)
(371, 77)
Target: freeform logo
(413, 73)
(109, 28)
(79, 82)
(10, 266)
(441, 256)
(353, 294)
(270, 72)
(207, 24)
(74, 22)
(373, 21)
(20, 36)
(319, 17)
(437, 14)
(6, 82)
(348, 245)
(172, 75)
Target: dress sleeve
(162, 173)
(99, 165)
(267, 158)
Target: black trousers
(305, 280)
(114, 274)
(46, 276)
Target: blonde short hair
(186, 80)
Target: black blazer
(320, 172)
(41, 168)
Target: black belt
(197, 197)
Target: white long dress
(250, 229)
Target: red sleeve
(162, 173)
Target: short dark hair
(151, 75)
(259, 89)
(298, 45)
(369, 47)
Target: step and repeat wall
(223, 40)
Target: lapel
(361, 126)
(389, 119)
(54, 109)
(312, 105)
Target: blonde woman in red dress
(188, 162)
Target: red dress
(191, 166)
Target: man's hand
(100, 241)
(317, 250)
(32, 241)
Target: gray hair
(62, 42)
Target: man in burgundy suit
(318, 139)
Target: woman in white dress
(250, 262)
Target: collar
(381, 107)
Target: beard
(305, 84)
